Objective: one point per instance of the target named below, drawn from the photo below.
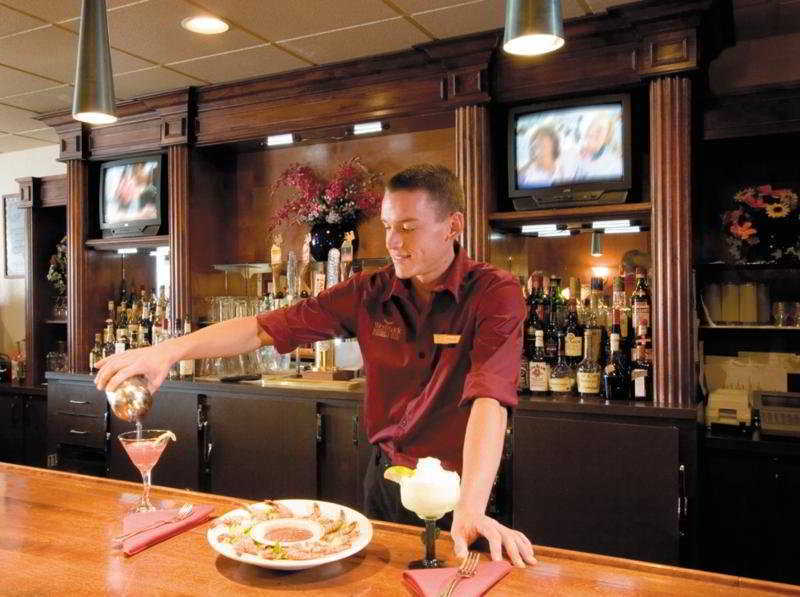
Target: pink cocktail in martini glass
(144, 448)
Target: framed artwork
(15, 238)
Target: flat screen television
(131, 196)
(571, 152)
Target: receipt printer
(727, 406)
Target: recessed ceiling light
(206, 25)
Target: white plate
(300, 508)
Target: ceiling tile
(242, 64)
(12, 21)
(13, 120)
(388, 36)
(152, 30)
(151, 80)
(54, 11)
(9, 143)
(48, 100)
(461, 20)
(13, 82)
(42, 134)
(412, 6)
(278, 20)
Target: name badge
(446, 339)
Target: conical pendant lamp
(93, 101)
(533, 27)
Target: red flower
(743, 231)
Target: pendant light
(596, 246)
(533, 27)
(93, 101)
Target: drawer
(78, 430)
(76, 399)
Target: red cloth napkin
(431, 582)
(139, 520)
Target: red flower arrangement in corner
(354, 193)
(764, 226)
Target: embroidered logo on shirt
(386, 329)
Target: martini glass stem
(145, 504)
(430, 541)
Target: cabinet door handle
(355, 430)
(209, 449)
(78, 432)
(683, 502)
(79, 402)
(319, 428)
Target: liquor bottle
(573, 337)
(112, 312)
(175, 332)
(187, 365)
(164, 304)
(562, 376)
(551, 334)
(575, 289)
(146, 323)
(95, 354)
(589, 373)
(141, 340)
(528, 341)
(594, 327)
(640, 301)
(643, 339)
(122, 344)
(641, 375)
(153, 300)
(123, 291)
(619, 301)
(539, 368)
(616, 376)
(108, 339)
(557, 301)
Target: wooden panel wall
(180, 238)
(78, 275)
(473, 167)
(670, 168)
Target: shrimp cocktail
(144, 448)
(430, 492)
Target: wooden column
(78, 332)
(673, 300)
(178, 184)
(473, 152)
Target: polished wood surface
(78, 284)
(180, 232)
(57, 529)
(474, 171)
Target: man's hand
(468, 526)
(152, 362)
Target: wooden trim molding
(179, 237)
(673, 299)
(473, 164)
(78, 332)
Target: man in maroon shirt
(441, 339)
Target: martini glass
(144, 448)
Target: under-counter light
(555, 233)
(623, 230)
(365, 128)
(205, 25)
(128, 251)
(606, 224)
(596, 244)
(285, 139)
(600, 272)
(530, 228)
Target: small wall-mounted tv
(570, 152)
(131, 202)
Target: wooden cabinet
(615, 485)
(22, 425)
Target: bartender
(441, 338)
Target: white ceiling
(152, 53)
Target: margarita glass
(144, 448)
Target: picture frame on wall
(14, 238)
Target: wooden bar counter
(56, 529)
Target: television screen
(570, 145)
(131, 191)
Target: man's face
(418, 238)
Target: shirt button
(422, 355)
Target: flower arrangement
(354, 193)
(57, 273)
(764, 226)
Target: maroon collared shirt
(422, 369)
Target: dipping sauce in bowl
(288, 534)
(286, 530)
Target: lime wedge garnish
(166, 435)
(396, 473)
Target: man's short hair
(442, 186)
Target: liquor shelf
(128, 242)
(512, 220)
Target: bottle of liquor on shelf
(122, 344)
(557, 301)
(595, 322)
(640, 301)
(589, 373)
(146, 323)
(551, 335)
(187, 365)
(539, 367)
(164, 304)
(528, 341)
(562, 375)
(641, 387)
(573, 337)
(112, 312)
(616, 376)
(123, 291)
(108, 339)
(153, 300)
(122, 316)
(175, 332)
(95, 354)
(619, 301)
(141, 340)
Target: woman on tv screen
(131, 193)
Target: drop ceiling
(152, 53)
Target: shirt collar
(451, 280)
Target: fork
(467, 569)
(184, 512)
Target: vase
(325, 237)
